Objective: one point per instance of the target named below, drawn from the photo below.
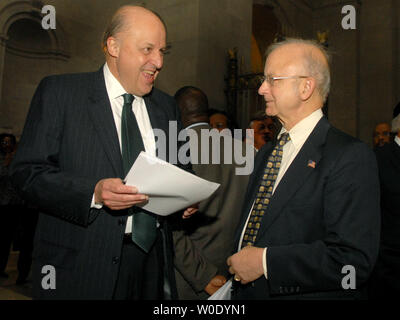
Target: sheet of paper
(169, 188)
(223, 293)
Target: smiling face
(135, 54)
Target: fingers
(190, 211)
(114, 194)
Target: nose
(158, 59)
(263, 89)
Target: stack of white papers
(169, 188)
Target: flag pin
(311, 164)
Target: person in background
(264, 129)
(381, 134)
(386, 280)
(203, 242)
(219, 119)
(10, 201)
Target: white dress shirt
(115, 92)
(298, 136)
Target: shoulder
(71, 80)
(342, 146)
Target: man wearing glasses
(310, 219)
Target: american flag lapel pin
(311, 164)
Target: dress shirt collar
(300, 132)
(397, 140)
(114, 87)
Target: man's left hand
(190, 210)
(247, 264)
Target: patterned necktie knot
(128, 98)
(284, 138)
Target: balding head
(124, 18)
(315, 61)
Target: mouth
(149, 75)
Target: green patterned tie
(264, 191)
(144, 231)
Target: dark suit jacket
(387, 276)
(204, 242)
(318, 220)
(69, 143)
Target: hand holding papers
(169, 188)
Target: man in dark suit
(69, 164)
(310, 223)
(203, 243)
(386, 282)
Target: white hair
(317, 69)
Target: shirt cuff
(265, 263)
(95, 205)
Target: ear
(113, 47)
(307, 88)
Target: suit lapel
(103, 120)
(155, 112)
(297, 174)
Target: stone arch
(12, 11)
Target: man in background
(264, 129)
(381, 134)
(386, 282)
(203, 242)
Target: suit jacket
(318, 220)
(69, 143)
(387, 276)
(205, 241)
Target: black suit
(318, 220)
(69, 143)
(387, 273)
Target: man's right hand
(114, 194)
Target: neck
(295, 118)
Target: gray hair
(317, 69)
(396, 124)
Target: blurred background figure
(219, 119)
(203, 242)
(18, 218)
(386, 279)
(265, 129)
(381, 134)
(9, 200)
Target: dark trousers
(141, 274)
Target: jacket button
(115, 260)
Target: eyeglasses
(270, 80)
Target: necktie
(264, 191)
(144, 230)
